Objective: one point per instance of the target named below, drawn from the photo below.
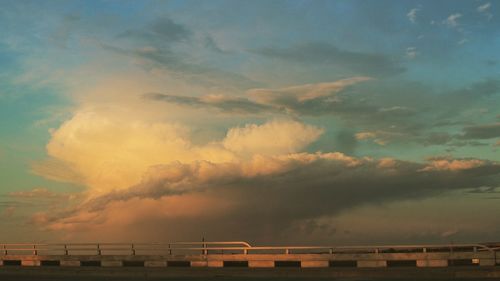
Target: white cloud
(452, 20)
(411, 52)
(273, 138)
(412, 14)
(484, 8)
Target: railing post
(245, 251)
(133, 250)
(35, 252)
(99, 250)
(169, 249)
(331, 251)
(205, 251)
(287, 251)
(5, 249)
(66, 252)
(425, 250)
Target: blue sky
(106, 104)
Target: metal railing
(228, 247)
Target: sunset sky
(274, 122)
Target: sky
(274, 122)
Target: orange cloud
(447, 164)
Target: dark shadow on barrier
(12, 263)
(133, 263)
(90, 263)
(235, 263)
(401, 263)
(50, 263)
(178, 263)
(462, 262)
(287, 264)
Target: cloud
(411, 52)
(264, 196)
(108, 150)
(218, 102)
(163, 30)
(307, 99)
(448, 164)
(412, 14)
(181, 66)
(169, 46)
(276, 137)
(412, 116)
(372, 64)
(487, 131)
(40, 193)
(483, 8)
(452, 20)
(381, 137)
(302, 93)
(112, 152)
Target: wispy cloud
(487, 131)
(373, 64)
(412, 14)
(453, 20)
(411, 52)
(485, 10)
(307, 99)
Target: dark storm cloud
(487, 131)
(306, 186)
(374, 64)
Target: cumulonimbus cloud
(106, 152)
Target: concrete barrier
(432, 263)
(30, 262)
(215, 263)
(315, 264)
(199, 263)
